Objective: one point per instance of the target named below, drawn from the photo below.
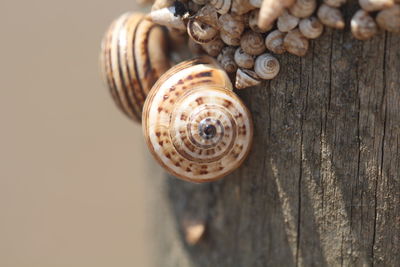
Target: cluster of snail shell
(245, 35)
(195, 126)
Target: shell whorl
(133, 56)
(266, 66)
(194, 124)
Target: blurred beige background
(73, 169)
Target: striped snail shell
(246, 78)
(266, 66)
(311, 27)
(200, 32)
(133, 56)
(303, 8)
(194, 124)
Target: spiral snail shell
(133, 56)
(194, 124)
(311, 27)
(200, 32)
(303, 8)
(266, 66)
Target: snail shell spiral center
(207, 128)
(195, 125)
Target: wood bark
(321, 186)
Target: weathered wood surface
(321, 186)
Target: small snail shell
(335, 3)
(375, 5)
(253, 22)
(266, 66)
(287, 22)
(270, 10)
(214, 47)
(303, 8)
(208, 15)
(274, 42)
(311, 27)
(243, 60)
(229, 40)
(363, 26)
(330, 16)
(222, 6)
(226, 59)
(200, 32)
(252, 43)
(246, 78)
(295, 43)
(133, 56)
(194, 124)
(241, 7)
(389, 19)
(231, 24)
(167, 16)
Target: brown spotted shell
(133, 56)
(195, 126)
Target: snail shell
(194, 124)
(214, 47)
(274, 42)
(330, 16)
(363, 26)
(303, 8)
(226, 59)
(295, 43)
(375, 5)
(266, 66)
(389, 19)
(252, 43)
(287, 22)
(246, 78)
(243, 60)
(133, 56)
(311, 27)
(335, 3)
(200, 32)
(222, 6)
(231, 24)
(229, 40)
(208, 15)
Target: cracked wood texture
(321, 186)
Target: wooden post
(321, 186)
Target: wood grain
(321, 186)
